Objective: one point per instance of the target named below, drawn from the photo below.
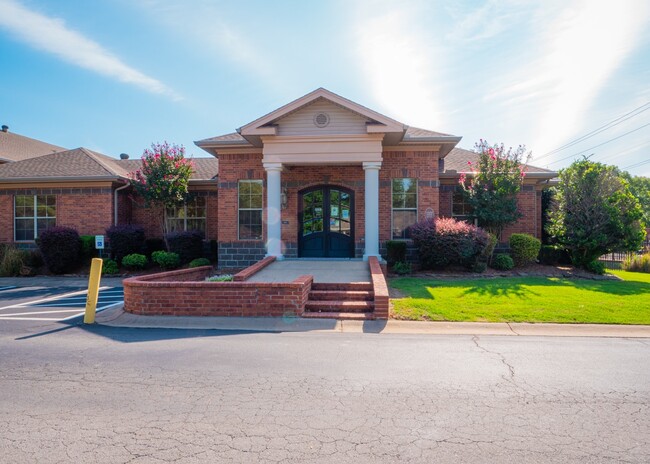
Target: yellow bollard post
(93, 290)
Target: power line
(600, 144)
(636, 165)
(609, 125)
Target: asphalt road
(100, 394)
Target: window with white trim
(189, 216)
(32, 215)
(250, 202)
(404, 195)
(460, 207)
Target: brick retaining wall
(185, 293)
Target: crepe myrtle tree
(594, 213)
(492, 186)
(162, 181)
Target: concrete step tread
(350, 286)
(349, 295)
(338, 305)
(366, 316)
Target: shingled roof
(457, 161)
(15, 147)
(82, 163)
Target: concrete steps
(341, 301)
(341, 315)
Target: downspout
(115, 206)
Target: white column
(273, 210)
(372, 208)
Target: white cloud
(53, 36)
(578, 48)
(399, 61)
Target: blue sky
(116, 75)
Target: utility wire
(636, 165)
(599, 145)
(609, 125)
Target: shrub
(502, 262)
(220, 278)
(198, 262)
(553, 255)
(402, 268)
(395, 252)
(135, 261)
(125, 240)
(166, 259)
(595, 267)
(11, 262)
(448, 242)
(109, 267)
(524, 248)
(154, 244)
(61, 249)
(187, 245)
(479, 267)
(637, 263)
(87, 247)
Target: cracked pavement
(180, 396)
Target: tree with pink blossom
(492, 185)
(163, 179)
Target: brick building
(326, 177)
(319, 177)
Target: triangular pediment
(305, 111)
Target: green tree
(595, 213)
(492, 187)
(640, 188)
(163, 179)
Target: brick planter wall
(185, 293)
(380, 288)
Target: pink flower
(491, 151)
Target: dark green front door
(326, 219)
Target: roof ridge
(105, 164)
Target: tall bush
(595, 213)
(447, 242)
(395, 252)
(187, 245)
(60, 248)
(125, 240)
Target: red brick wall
(88, 210)
(185, 293)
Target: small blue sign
(99, 242)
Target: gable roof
(396, 133)
(84, 164)
(15, 147)
(457, 160)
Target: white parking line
(57, 297)
(41, 312)
(7, 288)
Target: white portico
(322, 129)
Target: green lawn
(526, 299)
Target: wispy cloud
(399, 61)
(53, 36)
(473, 24)
(578, 47)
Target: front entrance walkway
(323, 270)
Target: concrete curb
(116, 317)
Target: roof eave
(19, 180)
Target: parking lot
(52, 303)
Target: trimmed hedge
(125, 240)
(135, 261)
(198, 262)
(60, 248)
(154, 244)
(87, 247)
(395, 252)
(447, 242)
(502, 262)
(187, 245)
(166, 260)
(110, 267)
(524, 248)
